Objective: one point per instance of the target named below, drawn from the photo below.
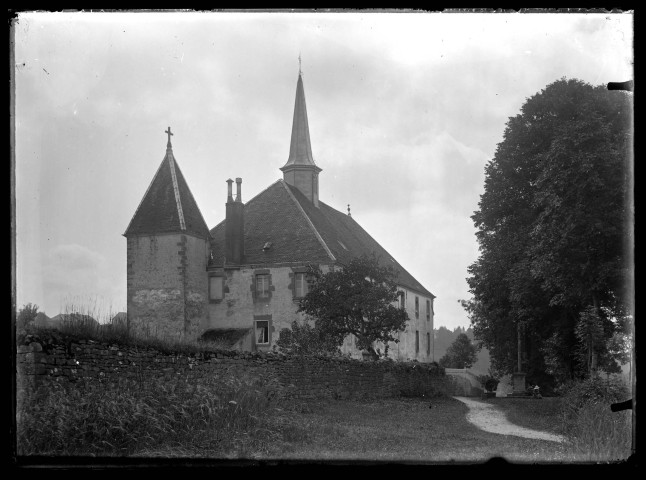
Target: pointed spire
(300, 170)
(300, 148)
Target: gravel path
(486, 417)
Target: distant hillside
(445, 337)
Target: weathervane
(349, 215)
(300, 72)
(169, 135)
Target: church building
(240, 282)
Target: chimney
(234, 226)
(238, 189)
(230, 193)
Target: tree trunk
(519, 351)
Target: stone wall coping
(49, 342)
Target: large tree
(553, 224)
(460, 354)
(359, 299)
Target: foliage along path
(486, 417)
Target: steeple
(300, 169)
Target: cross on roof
(169, 135)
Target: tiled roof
(168, 205)
(347, 239)
(273, 216)
(301, 233)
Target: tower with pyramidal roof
(241, 282)
(167, 255)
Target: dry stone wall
(42, 361)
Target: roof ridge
(145, 194)
(188, 189)
(263, 191)
(178, 199)
(309, 221)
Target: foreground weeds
(219, 417)
(595, 432)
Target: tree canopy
(460, 354)
(358, 299)
(554, 227)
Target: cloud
(72, 272)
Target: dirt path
(486, 417)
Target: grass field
(399, 430)
(544, 414)
(407, 430)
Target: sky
(405, 110)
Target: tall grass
(216, 416)
(595, 432)
(205, 415)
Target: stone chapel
(240, 282)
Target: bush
(26, 316)
(593, 389)
(488, 382)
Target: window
(402, 300)
(428, 310)
(416, 306)
(428, 343)
(300, 285)
(262, 332)
(262, 286)
(216, 288)
(416, 341)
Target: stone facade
(240, 308)
(416, 342)
(167, 285)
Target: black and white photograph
(344, 236)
